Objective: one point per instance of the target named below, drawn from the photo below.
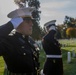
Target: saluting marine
(17, 49)
(53, 64)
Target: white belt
(54, 56)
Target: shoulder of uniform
(12, 33)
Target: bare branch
(20, 3)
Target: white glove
(41, 72)
(52, 28)
(16, 21)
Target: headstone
(73, 53)
(68, 57)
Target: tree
(20, 3)
(61, 31)
(71, 32)
(69, 21)
(37, 30)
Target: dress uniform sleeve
(2, 50)
(6, 29)
(50, 37)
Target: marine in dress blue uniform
(53, 64)
(18, 49)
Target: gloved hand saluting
(16, 21)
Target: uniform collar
(21, 35)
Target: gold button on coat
(23, 47)
(24, 53)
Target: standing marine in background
(53, 64)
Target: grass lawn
(1, 66)
(69, 69)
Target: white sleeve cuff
(16, 21)
(52, 28)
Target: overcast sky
(50, 9)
